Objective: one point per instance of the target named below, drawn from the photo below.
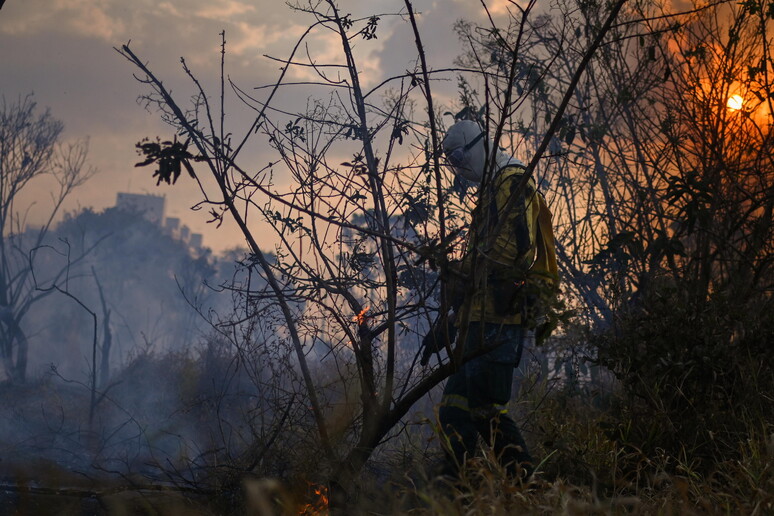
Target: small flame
(320, 506)
(361, 317)
(735, 102)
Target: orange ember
(361, 317)
(320, 506)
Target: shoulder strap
(502, 175)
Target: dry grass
(587, 471)
(591, 465)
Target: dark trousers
(475, 398)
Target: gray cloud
(63, 51)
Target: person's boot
(460, 435)
(502, 434)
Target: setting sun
(735, 102)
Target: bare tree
(29, 150)
(366, 230)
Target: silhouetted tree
(660, 181)
(365, 240)
(29, 150)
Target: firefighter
(509, 263)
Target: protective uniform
(510, 253)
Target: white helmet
(466, 153)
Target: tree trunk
(15, 369)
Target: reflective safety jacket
(510, 254)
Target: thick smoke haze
(155, 354)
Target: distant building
(171, 223)
(195, 241)
(150, 206)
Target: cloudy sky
(62, 51)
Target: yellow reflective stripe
(461, 402)
(488, 409)
(455, 401)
